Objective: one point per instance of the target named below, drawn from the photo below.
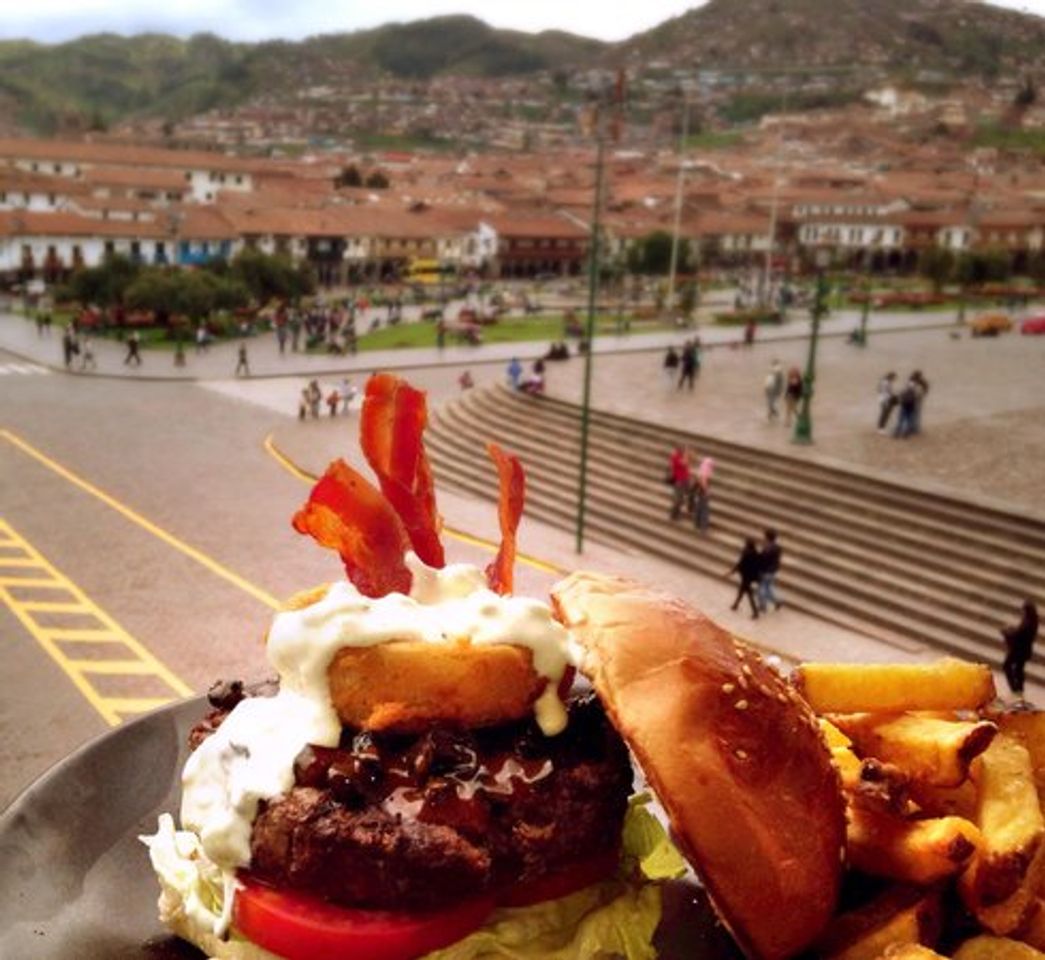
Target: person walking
(770, 557)
(69, 347)
(887, 400)
(202, 338)
(748, 567)
(689, 366)
(315, 396)
(333, 399)
(303, 404)
(680, 476)
(793, 391)
(133, 356)
(907, 401)
(242, 364)
(671, 364)
(281, 335)
(87, 361)
(348, 394)
(515, 372)
(921, 391)
(701, 496)
(774, 386)
(1019, 646)
(295, 331)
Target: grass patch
(1022, 141)
(511, 330)
(714, 139)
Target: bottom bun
(734, 756)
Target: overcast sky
(55, 20)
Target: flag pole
(589, 327)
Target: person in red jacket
(681, 475)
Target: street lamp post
(589, 327)
(804, 421)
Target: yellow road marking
(170, 539)
(132, 658)
(458, 535)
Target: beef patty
(406, 822)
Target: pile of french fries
(944, 792)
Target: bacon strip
(391, 433)
(500, 573)
(347, 513)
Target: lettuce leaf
(646, 843)
(611, 919)
(616, 918)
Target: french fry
(996, 948)
(899, 916)
(892, 688)
(911, 951)
(946, 801)
(845, 761)
(919, 852)
(866, 782)
(883, 786)
(1029, 728)
(1000, 886)
(928, 750)
(1033, 931)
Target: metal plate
(75, 882)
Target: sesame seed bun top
(733, 753)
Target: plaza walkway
(19, 336)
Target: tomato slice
(563, 882)
(296, 926)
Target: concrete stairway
(907, 567)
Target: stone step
(849, 492)
(870, 539)
(940, 608)
(836, 605)
(820, 554)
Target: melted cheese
(250, 758)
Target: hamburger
(422, 781)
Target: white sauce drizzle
(250, 758)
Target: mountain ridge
(103, 78)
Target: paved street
(159, 509)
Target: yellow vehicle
(423, 271)
(990, 324)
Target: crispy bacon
(391, 432)
(500, 573)
(350, 515)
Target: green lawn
(512, 330)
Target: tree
(378, 181)
(105, 285)
(652, 254)
(267, 277)
(937, 264)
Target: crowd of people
(532, 383)
(758, 566)
(337, 399)
(908, 401)
(682, 367)
(690, 481)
